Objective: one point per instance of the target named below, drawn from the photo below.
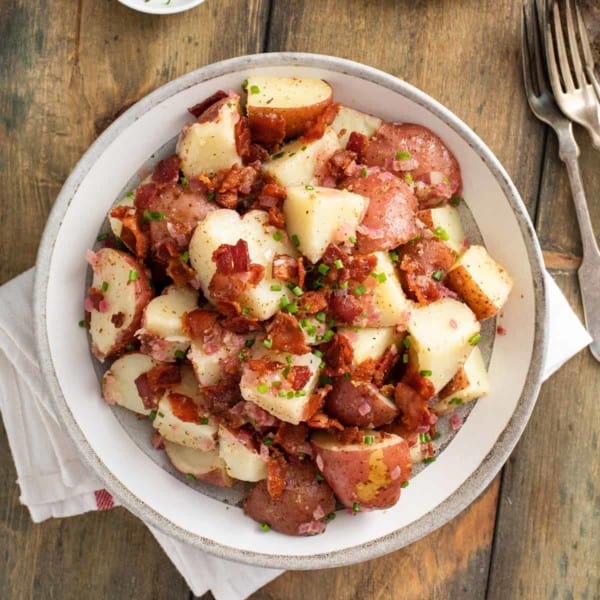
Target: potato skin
(347, 396)
(459, 280)
(296, 505)
(360, 473)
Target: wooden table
(67, 69)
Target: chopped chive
(441, 233)
(338, 264)
(265, 527)
(455, 201)
(356, 507)
(300, 393)
(310, 188)
(276, 156)
(330, 516)
(368, 440)
(267, 441)
(245, 311)
(344, 285)
(277, 236)
(262, 388)
(161, 415)
(130, 194)
(408, 178)
(318, 353)
(304, 148)
(286, 371)
(130, 347)
(154, 215)
(242, 356)
(323, 269)
(405, 358)
(288, 360)
(276, 288)
(322, 364)
(402, 155)
(425, 373)
(133, 275)
(254, 89)
(328, 335)
(320, 477)
(457, 401)
(179, 354)
(185, 257)
(284, 301)
(203, 420)
(267, 343)
(352, 239)
(183, 181)
(363, 172)
(394, 256)
(190, 476)
(437, 275)
(102, 236)
(245, 85)
(83, 324)
(211, 196)
(404, 484)
(318, 283)
(249, 342)
(292, 308)
(152, 415)
(297, 291)
(407, 342)
(276, 384)
(290, 395)
(321, 317)
(429, 459)
(360, 290)
(475, 339)
(290, 154)
(311, 330)
(324, 380)
(295, 240)
(281, 393)
(381, 277)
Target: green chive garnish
(254, 89)
(356, 507)
(402, 155)
(368, 440)
(437, 275)
(404, 484)
(360, 290)
(154, 215)
(276, 287)
(265, 527)
(277, 236)
(179, 354)
(475, 339)
(262, 388)
(441, 233)
(425, 373)
(363, 172)
(133, 275)
(321, 317)
(323, 269)
(185, 257)
(295, 240)
(267, 343)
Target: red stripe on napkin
(104, 500)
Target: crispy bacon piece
(285, 267)
(221, 396)
(132, 233)
(184, 407)
(276, 472)
(144, 194)
(271, 195)
(338, 354)
(317, 400)
(361, 266)
(415, 412)
(384, 365)
(243, 139)
(286, 335)
(167, 170)
(198, 322)
(199, 108)
(232, 259)
(314, 302)
(268, 129)
(321, 421)
(155, 381)
(349, 435)
(117, 319)
(420, 261)
(146, 393)
(298, 376)
(238, 180)
(263, 366)
(345, 307)
(241, 324)
(301, 271)
(315, 128)
(94, 298)
(358, 143)
(294, 438)
(181, 273)
(276, 217)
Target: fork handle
(589, 271)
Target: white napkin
(55, 483)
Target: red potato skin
(360, 473)
(144, 292)
(426, 148)
(302, 496)
(347, 396)
(390, 219)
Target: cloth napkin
(54, 482)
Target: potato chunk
(348, 120)
(445, 223)
(297, 162)
(241, 461)
(469, 383)
(480, 281)
(204, 465)
(369, 342)
(441, 338)
(225, 226)
(318, 216)
(293, 99)
(210, 146)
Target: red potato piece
(300, 508)
(364, 475)
(288, 103)
(198, 464)
(390, 219)
(411, 149)
(120, 291)
(358, 403)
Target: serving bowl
(161, 7)
(118, 448)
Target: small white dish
(161, 7)
(121, 455)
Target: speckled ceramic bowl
(161, 7)
(118, 449)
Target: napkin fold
(54, 481)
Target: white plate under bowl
(161, 7)
(438, 492)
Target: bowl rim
(471, 488)
(163, 9)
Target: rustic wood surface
(67, 69)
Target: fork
(544, 107)
(577, 100)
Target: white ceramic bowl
(161, 7)
(120, 454)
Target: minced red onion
(364, 409)
(456, 422)
(319, 462)
(311, 528)
(318, 513)
(395, 472)
(453, 324)
(157, 440)
(264, 453)
(103, 306)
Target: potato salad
(290, 300)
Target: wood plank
(442, 565)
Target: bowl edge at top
(507, 440)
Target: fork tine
(565, 68)
(587, 51)
(574, 47)
(535, 24)
(526, 55)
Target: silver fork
(577, 99)
(544, 107)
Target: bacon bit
(199, 108)
(345, 307)
(358, 143)
(271, 195)
(232, 259)
(361, 266)
(276, 217)
(415, 412)
(221, 395)
(264, 366)
(395, 473)
(198, 322)
(162, 377)
(267, 128)
(103, 306)
(338, 354)
(257, 272)
(350, 435)
(285, 267)
(299, 376)
(287, 335)
(144, 194)
(241, 324)
(317, 400)
(365, 370)
(118, 319)
(184, 408)
(301, 271)
(256, 415)
(93, 300)
(314, 302)
(263, 452)
(276, 472)
(311, 528)
(500, 330)
(315, 128)
(242, 139)
(322, 421)
(456, 422)
(237, 180)
(385, 364)
(364, 409)
(293, 438)
(157, 441)
(145, 391)
(167, 170)
(181, 273)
